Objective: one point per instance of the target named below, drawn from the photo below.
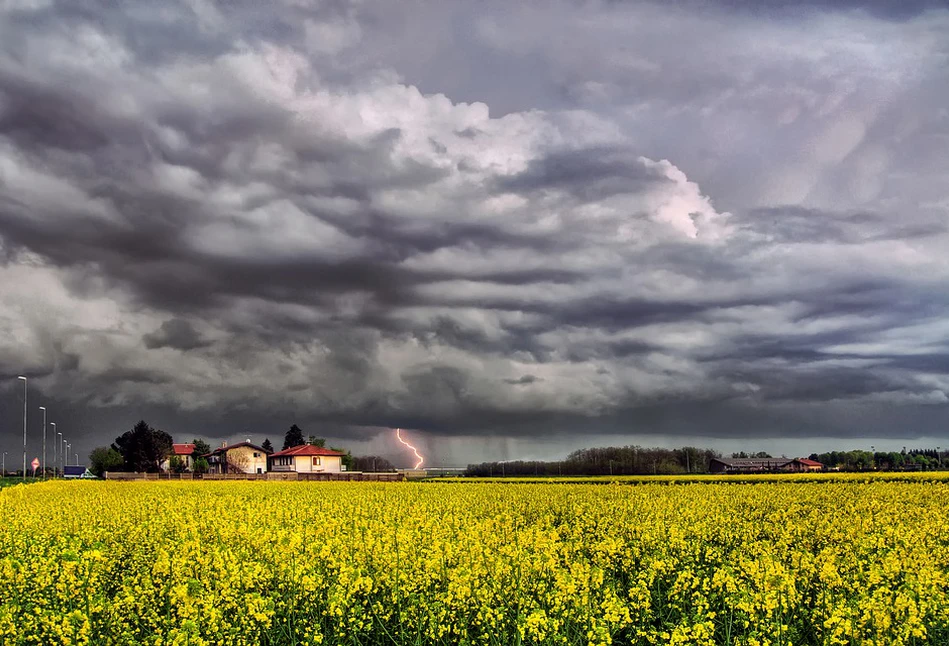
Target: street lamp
(3, 473)
(55, 452)
(24, 423)
(68, 446)
(43, 408)
(60, 442)
(76, 455)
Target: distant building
(747, 465)
(763, 465)
(307, 458)
(805, 464)
(243, 457)
(183, 451)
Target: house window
(316, 461)
(256, 454)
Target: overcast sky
(514, 228)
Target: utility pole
(24, 424)
(55, 451)
(43, 408)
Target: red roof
(182, 449)
(809, 463)
(305, 449)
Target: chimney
(224, 444)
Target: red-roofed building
(805, 464)
(307, 458)
(183, 451)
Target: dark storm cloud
(888, 9)
(668, 223)
(594, 173)
(523, 380)
(808, 225)
(176, 333)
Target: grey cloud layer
(262, 211)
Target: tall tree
(200, 465)
(104, 459)
(317, 441)
(267, 446)
(294, 437)
(200, 447)
(143, 448)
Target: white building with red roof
(307, 458)
(183, 451)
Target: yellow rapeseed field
(852, 562)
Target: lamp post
(24, 423)
(3, 473)
(55, 452)
(76, 455)
(68, 447)
(939, 456)
(60, 442)
(43, 408)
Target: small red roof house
(307, 458)
(183, 451)
(806, 464)
(243, 457)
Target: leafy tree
(143, 448)
(200, 465)
(317, 441)
(294, 437)
(200, 447)
(177, 465)
(267, 446)
(104, 459)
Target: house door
(259, 471)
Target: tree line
(912, 460)
(637, 460)
(606, 461)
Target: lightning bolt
(398, 434)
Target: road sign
(35, 464)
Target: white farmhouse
(307, 458)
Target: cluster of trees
(636, 460)
(914, 459)
(624, 460)
(144, 449)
